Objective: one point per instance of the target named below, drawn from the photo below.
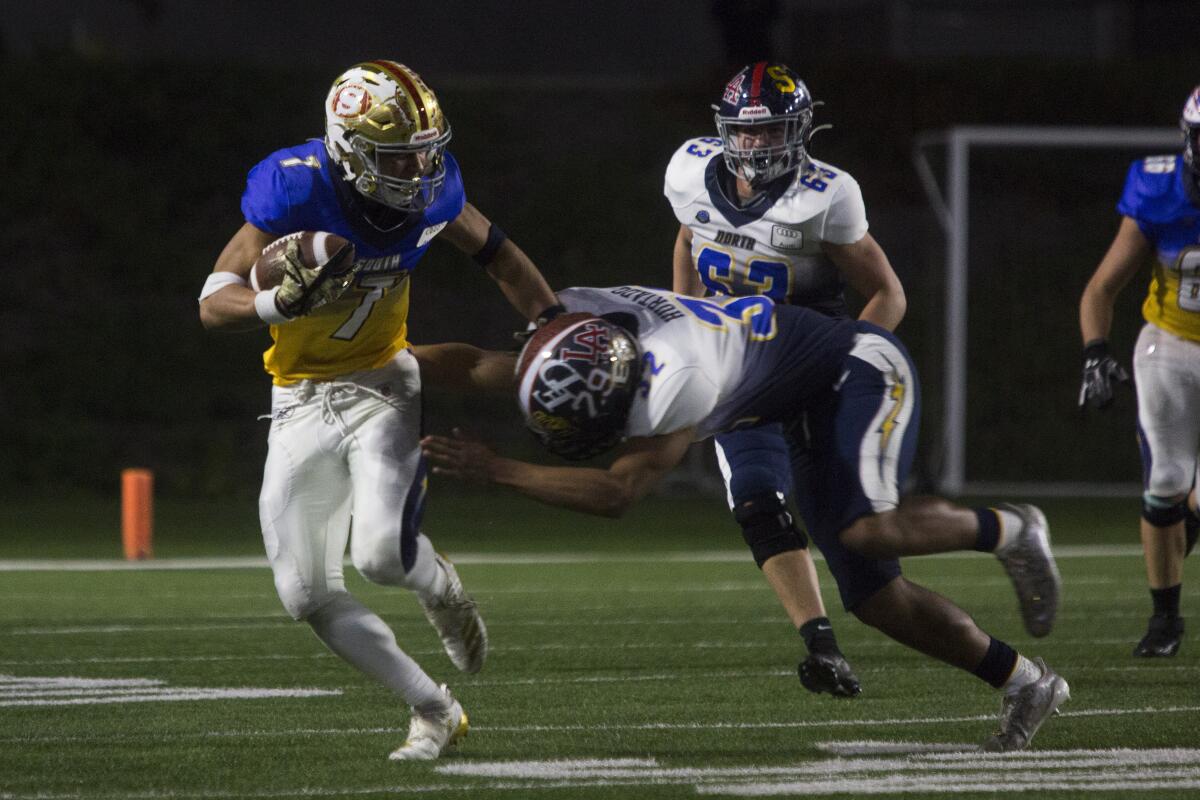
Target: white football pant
(1166, 371)
(344, 462)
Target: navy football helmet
(764, 120)
(576, 379)
(1189, 123)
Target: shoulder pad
(685, 174)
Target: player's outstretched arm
(454, 365)
(604, 492)
(869, 273)
(514, 272)
(231, 306)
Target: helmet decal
(385, 130)
(577, 377)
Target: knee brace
(1162, 512)
(767, 526)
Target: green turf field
(644, 658)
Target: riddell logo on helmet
(351, 100)
(424, 136)
(754, 112)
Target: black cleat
(830, 673)
(1162, 638)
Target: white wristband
(216, 281)
(264, 304)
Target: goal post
(951, 209)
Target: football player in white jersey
(759, 216)
(1159, 208)
(661, 370)
(343, 461)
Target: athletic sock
(818, 636)
(988, 535)
(355, 634)
(1024, 673)
(998, 664)
(1166, 601)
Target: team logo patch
(351, 100)
(702, 216)
(785, 238)
(429, 233)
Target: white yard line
(895, 722)
(647, 556)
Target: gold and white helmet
(386, 130)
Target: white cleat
(1030, 564)
(429, 735)
(456, 618)
(1023, 712)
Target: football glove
(306, 288)
(1100, 370)
(548, 313)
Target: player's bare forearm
(1125, 255)
(886, 307)
(868, 271)
(520, 281)
(603, 492)
(232, 308)
(454, 365)
(685, 279)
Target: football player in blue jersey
(1160, 214)
(660, 370)
(344, 463)
(759, 215)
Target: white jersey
(706, 361)
(772, 246)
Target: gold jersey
(1173, 301)
(363, 329)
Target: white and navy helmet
(576, 379)
(1189, 123)
(765, 94)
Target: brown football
(316, 250)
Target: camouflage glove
(306, 288)
(1100, 369)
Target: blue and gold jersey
(1162, 199)
(296, 189)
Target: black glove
(1100, 369)
(548, 313)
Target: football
(317, 248)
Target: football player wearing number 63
(659, 370)
(344, 462)
(1158, 209)
(759, 215)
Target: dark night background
(129, 125)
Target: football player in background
(661, 370)
(344, 462)
(759, 215)
(1159, 208)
